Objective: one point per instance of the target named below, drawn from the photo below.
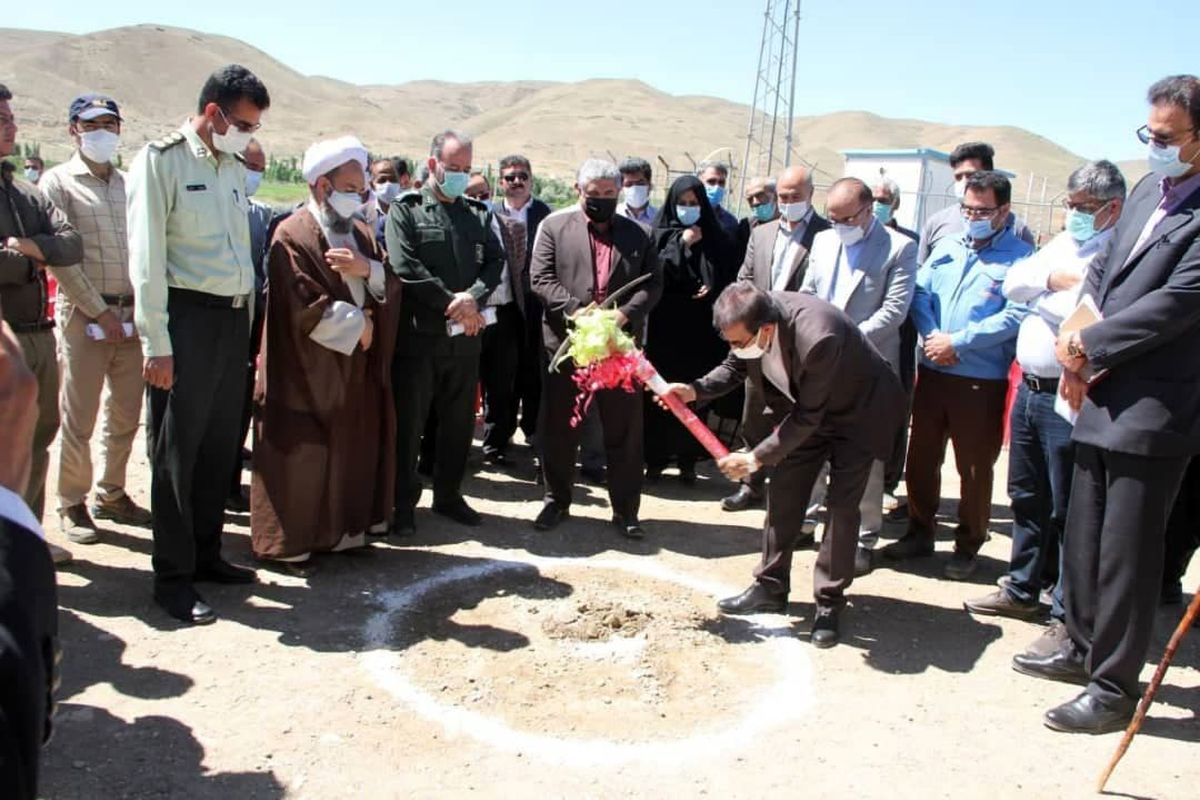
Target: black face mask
(600, 209)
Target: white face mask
(32, 175)
(960, 189)
(344, 204)
(637, 196)
(849, 234)
(232, 140)
(750, 351)
(99, 146)
(253, 181)
(793, 212)
(387, 192)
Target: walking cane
(1135, 724)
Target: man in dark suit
(28, 603)
(776, 260)
(836, 400)
(1139, 422)
(583, 255)
(516, 181)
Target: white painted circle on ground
(780, 703)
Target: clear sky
(1075, 72)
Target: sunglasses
(513, 177)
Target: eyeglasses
(1147, 136)
(848, 219)
(514, 177)
(244, 127)
(974, 212)
(1087, 208)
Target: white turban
(326, 156)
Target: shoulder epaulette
(411, 197)
(475, 204)
(170, 140)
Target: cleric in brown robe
(324, 458)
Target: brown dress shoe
(77, 524)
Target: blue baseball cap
(90, 106)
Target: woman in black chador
(699, 259)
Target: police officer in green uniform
(443, 248)
(193, 279)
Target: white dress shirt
(786, 242)
(1025, 282)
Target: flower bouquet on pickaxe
(606, 357)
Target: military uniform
(438, 249)
(193, 279)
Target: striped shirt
(97, 210)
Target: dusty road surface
(502, 662)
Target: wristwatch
(1075, 346)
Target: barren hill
(155, 72)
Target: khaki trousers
(86, 367)
(38, 348)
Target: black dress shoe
(825, 627)
(1088, 714)
(758, 599)
(745, 497)
(221, 571)
(186, 606)
(459, 511)
(629, 528)
(653, 474)
(687, 474)
(1065, 665)
(862, 562)
(550, 516)
(911, 545)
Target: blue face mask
(1081, 226)
(453, 183)
(764, 212)
(883, 212)
(1165, 161)
(688, 215)
(980, 229)
(716, 194)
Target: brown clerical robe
(324, 456)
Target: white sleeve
(376, 281)
(340, 327)
(1025, 280)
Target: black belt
(1041, 385)
(205, 299)
(32, 327)
(118, 300)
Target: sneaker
(1001, 604)
(961, 566)
(77, 524)
(1051, 640)
(122, 511)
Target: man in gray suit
(1138, 425)
(838, 402)
(776, 258)
(868, 270)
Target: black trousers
(498, 365)
(1113, 561)
(621, 419)
(441, 372)
(531, 363)
(788, 494)
(893, 469)
(192, 438)
(1183, 527)
(256, 328)
(757, 424)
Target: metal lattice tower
(769, 148)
